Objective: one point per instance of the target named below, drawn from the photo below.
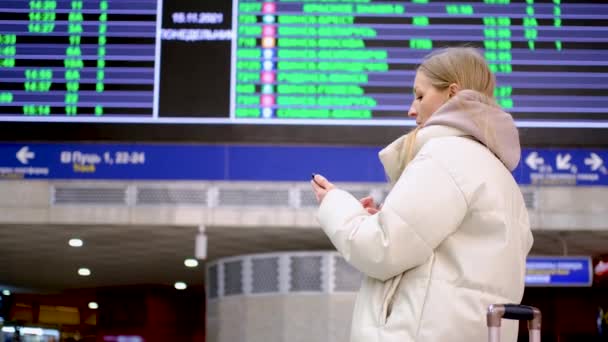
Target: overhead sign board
(261, 163)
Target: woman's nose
(412, 112)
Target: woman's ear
(453, 89)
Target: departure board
(321, 62)
(77, 58)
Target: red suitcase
(497, 312)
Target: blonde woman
(453, 233)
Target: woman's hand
(321, 186)
(369, 205)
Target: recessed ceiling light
(180, 285)
(6, 292)
(93, 306)
(191, 262)
(75, 242)
(84, 272)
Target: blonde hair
(463, 66)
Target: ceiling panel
(38, 257)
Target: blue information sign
(261, 163)
(559, 271)
(563, 167)
(188, 162)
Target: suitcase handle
(496, 312)
(518, 312)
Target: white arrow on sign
(534, 161)
(594, 161)
(24, 155)
(563, 161)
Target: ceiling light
(6, 292)
(191, 262)
(93, 306)
(84, 272)
(180, 285)
(31, 331)
(75, 243)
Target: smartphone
(313, 179)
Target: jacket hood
(470, 114)
(478, 116)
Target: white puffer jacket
(451, 238)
